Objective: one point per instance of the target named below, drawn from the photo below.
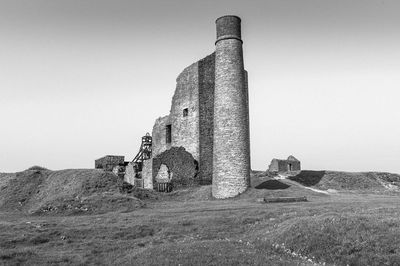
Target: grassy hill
(360, 225)
(349, 181)
(69, 191)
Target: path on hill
(291, 182)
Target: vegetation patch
(180, 163)
(370, 181)
(343, 239)
(93, 204)
(66, 192)
(18, 257)
(20, 190)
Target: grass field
(188, 227)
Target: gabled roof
(292, 158)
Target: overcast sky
(81, 79)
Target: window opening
(168, 137)
(185, 112)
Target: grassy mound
(343, 239)
(69, 191)
(20, 190)
(5, 179)
(370, 181)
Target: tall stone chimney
(231, 152)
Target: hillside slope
(349, 181)
(69, 191)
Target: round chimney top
(228, 27)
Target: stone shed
(291, 164)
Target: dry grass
(187, 228)
(72, 191)
(349, 181)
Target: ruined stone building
(205, 137)
(291, 164)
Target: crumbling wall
(181, 164)
(184, 113)
(159, 135)
(283, 165)
(206, 72)
(274, 166)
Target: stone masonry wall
(206, 117)
(283, 165)
(159, 134)
(185, 129)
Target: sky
(82, 79)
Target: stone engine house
(205, 137)
(291, 164)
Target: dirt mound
(370, 181)
(272, 184)
(349, 239)
(66, 192)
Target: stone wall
(274, 166)
(284, 165)
(206, 74)
(185, 128)
(159, 135)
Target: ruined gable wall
(274, 166)
(185, 129)
(159, 135)
(206, 72)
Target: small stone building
(109, 162)
(291, 164)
